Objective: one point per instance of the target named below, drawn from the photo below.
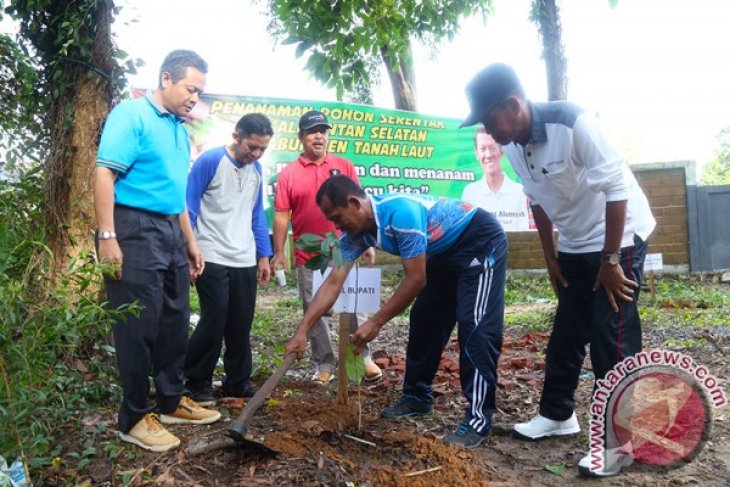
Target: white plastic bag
(13, 476)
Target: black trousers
(466, 286)
(227, 301)
(584, 316)
(155, 275)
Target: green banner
(392, 150)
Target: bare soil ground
(313, 436)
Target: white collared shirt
(571, 171)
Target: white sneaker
(614, 460)
(542, 427)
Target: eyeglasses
(335, 172)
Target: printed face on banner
(489, 153)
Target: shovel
(238, 427)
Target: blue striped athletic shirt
(410, 225)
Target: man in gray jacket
(225, 201)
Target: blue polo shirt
(149, 149)
(410, 225)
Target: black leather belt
(169, 218)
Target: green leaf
(309, 242)
(325, 247)
(337, 259)
(556, 469)
(302, 48)
(355, 364)
(332, 239)
(315, 262)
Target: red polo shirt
(296, 189)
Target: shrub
(55, 363)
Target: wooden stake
(421, 472)
(342, 366)
(360, 440)
(653, 286)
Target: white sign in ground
(360, 293)
(653, 262)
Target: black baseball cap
(488, 89)
(313, 119)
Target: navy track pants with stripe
(585, 316)
(465, 285)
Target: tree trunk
(402, 79)
(70, 168)
(556, 65)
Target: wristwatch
(612, 258)
(105, 235)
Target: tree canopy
(19, 105)
(718, 171)
(347, 40)
(68, 70)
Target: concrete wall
(665, 185)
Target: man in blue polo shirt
(454, 260)
(144, 232)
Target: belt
(154, 214)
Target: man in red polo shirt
(296, 188)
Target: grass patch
(684, 343)
(688, 290)
(271, 329)
(527, 289)
(293, 303)
(533, 320)
(194, 301)
(685, 301)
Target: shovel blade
(237, 432)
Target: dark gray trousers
(155, 276)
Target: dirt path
(314, 436)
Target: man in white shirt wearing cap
(580, 183)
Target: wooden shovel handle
(265, 390)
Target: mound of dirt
(306, 422)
